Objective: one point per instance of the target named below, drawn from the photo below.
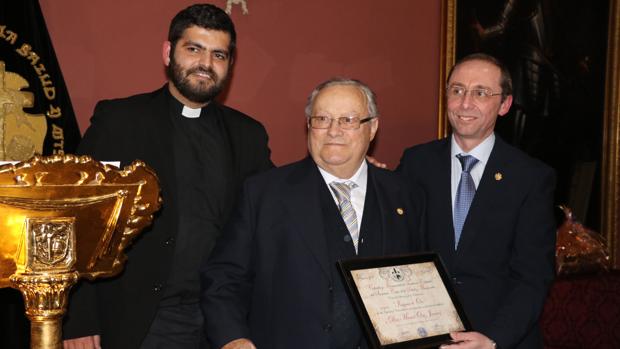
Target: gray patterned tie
(343, 194)
(464, 195)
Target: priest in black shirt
(201, 151)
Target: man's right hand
(376, 162)
(241, 343)
(88, 342)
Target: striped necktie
(343, 194)
(464, 195)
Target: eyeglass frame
(331, 120)
(474, 97)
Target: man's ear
(374, 126)
(165, 52)
(505, 106)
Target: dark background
(556, 51)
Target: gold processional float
(63, 218)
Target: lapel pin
(498, 176)
(400, 211)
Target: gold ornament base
(45, 300)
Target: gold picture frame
(610, 184)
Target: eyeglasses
(477, 94)
(344, 122)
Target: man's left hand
(469, 340)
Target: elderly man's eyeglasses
(345, 122)
(477, 94)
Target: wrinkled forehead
(198, 34)
(340, 100)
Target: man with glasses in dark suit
(489, 211)
(272, 281)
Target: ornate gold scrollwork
(64, 217)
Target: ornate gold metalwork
(610, 188)
(51, 243)
(65, 217)
(45, 300)
(21, 134)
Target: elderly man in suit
(499, 243)
(201, 151)
(272, 281)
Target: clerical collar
(176, 107)
(191, 112)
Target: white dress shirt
(358, 194)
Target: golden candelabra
(63, 218)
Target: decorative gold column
(45, 300)
(62, 218)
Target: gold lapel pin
(400, 211)
(498, 176)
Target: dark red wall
(112, 48)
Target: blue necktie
(464, 195)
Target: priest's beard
(198, 92)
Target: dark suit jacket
(139, 127)
(269, 278)
(505, 259)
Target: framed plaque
(404, 301)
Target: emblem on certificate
(404, 301)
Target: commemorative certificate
(404, 301)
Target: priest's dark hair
(206, 16)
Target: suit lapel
(443, 186)
(375, 215)
(234, 164)
(488, 188)
(304, 207)
(380, 193)
(159, 144)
